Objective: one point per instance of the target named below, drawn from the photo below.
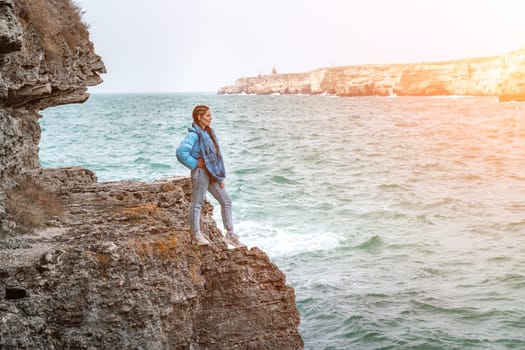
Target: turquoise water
(400, 222)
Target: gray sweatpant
(200, 182)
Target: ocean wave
(283, 180)
(372, 244)
(291, 241)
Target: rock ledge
(121, 271)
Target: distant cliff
(114, 266)
(501, 76)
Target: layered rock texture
(46, 56)
(121, 271)
(116, 266)
(502, 76)
(46, 59)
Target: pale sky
(201, 45)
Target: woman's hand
(222, 184)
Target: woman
(200, 152)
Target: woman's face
(205, 119)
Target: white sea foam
(278, 241)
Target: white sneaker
(201, 240)
(233, 240)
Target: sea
(399, 221)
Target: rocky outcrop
(121, 271)
(117, 268)
(46, 59)
(500, 76)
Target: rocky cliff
(121, 271)
(116, 266)
(502, 76)
(46, 59)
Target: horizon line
(150, 92)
